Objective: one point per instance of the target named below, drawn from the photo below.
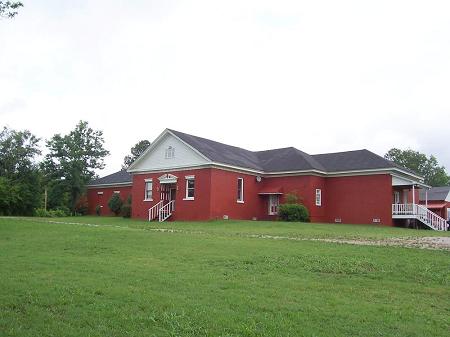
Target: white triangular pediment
(168, 152)
(167, 179)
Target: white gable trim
(134, 166)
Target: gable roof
(436, 193)
(121, 177)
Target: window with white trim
(190, 188)
(117, 192)
(318, 197)
(148, 189)
(448, 213)
(240, 190)
(170, 152)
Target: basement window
(240, 190)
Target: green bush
(54, 213)
(57, 213)
(63, 210)
(126, 210)
(293, 212)
(115, 203)
(98, 209)
(42, 213)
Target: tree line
(58, 180)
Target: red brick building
(185, 177)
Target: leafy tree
(115, 204)
(74, 157)
(428, 167)
(8, 9)
(136, 151)
(20, 179)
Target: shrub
(126, 210)
(115, 203)
(293, 212)
(98, 209)
(42, 213)
(57, 213)
(63, 210)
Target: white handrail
(422, 214)
(166, 210)
(154, 211)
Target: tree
(74, 157)
(428, 167)
(20, 179)
(8, 9)
(115, 203)
(136, 151)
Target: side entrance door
(274, 201)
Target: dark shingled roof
(272, 161)
(435, 193)
(221, 153)
(352, 160)
(116, 178)
(286, 159)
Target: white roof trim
(131, 168)
(109, 185)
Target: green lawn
(121, 278)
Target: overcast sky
(322, 76)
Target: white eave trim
(110, 185)
(153, 145)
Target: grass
(121, 279)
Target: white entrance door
(274, 201)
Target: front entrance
(168, 192)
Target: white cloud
(321, 76)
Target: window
(190, 187)
(170, 152)
(318, 197)
(240, 190)
(116, 192)
(448, 213)
(148, 189)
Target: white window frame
(189, 178)
(146, 190)
(448, 213)
(274, 202)
(170, 153)
(240, 197)
(318, 197)
(116, 192)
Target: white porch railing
(420, 213)
(153, 212)
(166, 211)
